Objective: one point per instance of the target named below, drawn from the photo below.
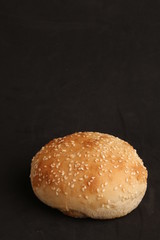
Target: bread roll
(89, 174)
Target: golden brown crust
(88, 170)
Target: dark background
(69, 66)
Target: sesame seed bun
(89, 174)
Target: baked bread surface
(89, 174)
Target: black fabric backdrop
(71, 66)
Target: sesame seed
(86, 197)
(57, 166)
(85, 176)
(116, 166)
(52, 165)
(80, 168)
(66, 144)
(100, 196)
(115, 188)
(72, 185)
(104, 170)
(83, 188)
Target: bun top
(88, 166)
